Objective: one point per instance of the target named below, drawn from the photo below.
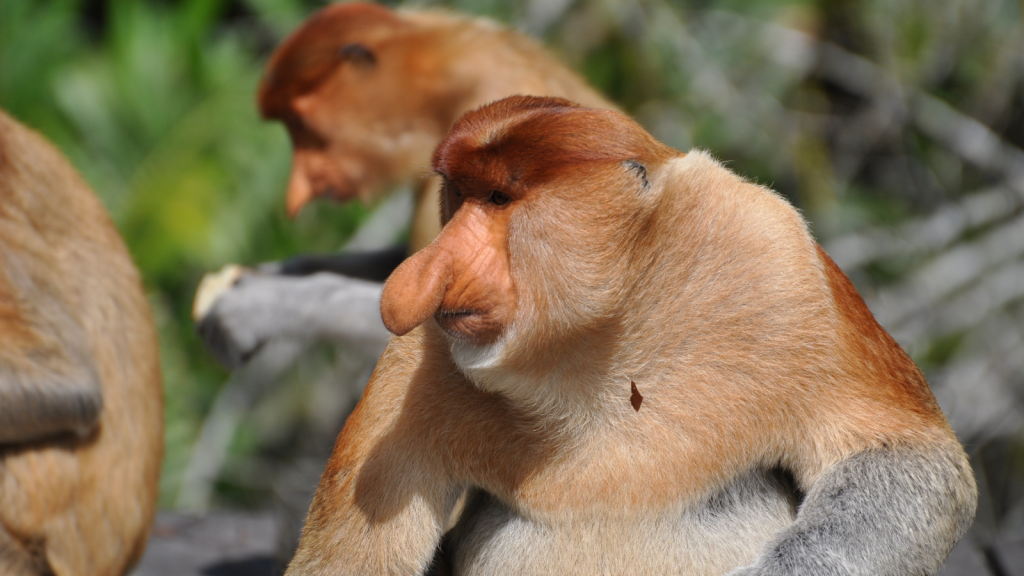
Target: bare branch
(926, 234)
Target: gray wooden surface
(244, 544)
(217, 544)
(1008, 556)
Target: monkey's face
(463, 278)
(535, 193)
(356, 98)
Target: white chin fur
(479, 363)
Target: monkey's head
(358, 89)
(542, 203)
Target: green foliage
(34, 41)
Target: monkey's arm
(883, 512)
(384, 499)
(292, 299)
(374, 265)
(48, 382)
(260, 307)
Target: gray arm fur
(886, 512)
(38, 404)
(48, 381)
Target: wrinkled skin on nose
(462, 279)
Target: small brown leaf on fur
(636, 399)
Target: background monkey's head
(363, 98)
(543, 205)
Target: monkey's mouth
(335, 193)
(467, 324)
(454, 321)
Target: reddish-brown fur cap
(312, 52)
(525, 140)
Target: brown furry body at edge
(81, 406)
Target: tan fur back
(84, 506)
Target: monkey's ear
(640, 171)
(358, 54)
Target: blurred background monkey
(778, 430)
(81, 410)
(366, 93)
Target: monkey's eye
(498, 198)
(358, 54)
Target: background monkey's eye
(358, 54)
(498, 198)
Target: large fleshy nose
(415, 289)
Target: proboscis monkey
(629, 361)
(366, 94)
(81, 405)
